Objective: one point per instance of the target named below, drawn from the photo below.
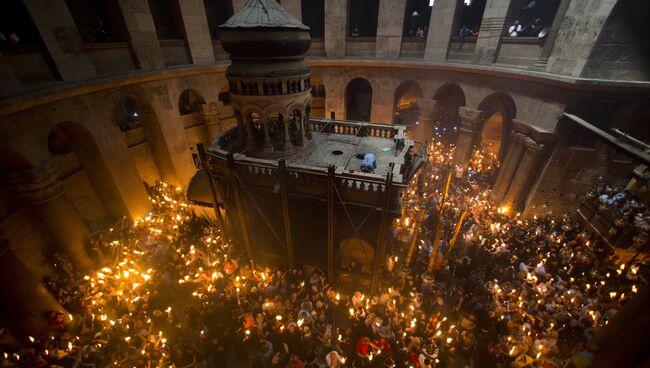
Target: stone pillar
(492, 29)
(143, 39)
(519, 187)
(443, 16)
(268, 147)
(294, 7)
(508, 167)
(212, 123)
(336, 25)
(577, 36)
(61, 39)
(381, 108)
(42, 191)
(249, 125)
(552, 35)
(426, 116)
(197, 32)
(470, 124)
(287, 138)
(390, 26)
(9, 83)
(24, 301)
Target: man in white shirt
(514, 29)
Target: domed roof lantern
(262, 28)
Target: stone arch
(449, 97)
(405, 110)
(139, 123)
(274, 108)
(69, 137)
(358, 100)
(498, 110)
(357, 250)
(190, 101)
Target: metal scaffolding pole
(240, 207)
(282, 174)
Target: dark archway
(143, 134)
(190, 101)
(405, 110)
(313, 16)
(448, 98)
(471, 14)
(362, 18)
(358, 100)
(498, 111)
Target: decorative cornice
(59, 92)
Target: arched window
(358, 100)
(190, 101)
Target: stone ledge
(62, 90)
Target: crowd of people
(172, 291)
(628, 209)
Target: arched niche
(144, 137)
(498, 111)
(190, 101)
(85, 175)
(405, 110)
(358, 100)
(448, 98)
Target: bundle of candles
(172, 291)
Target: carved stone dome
(263, 29)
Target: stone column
(336, 25)
(294, 7)
(577, 36)
(508, 167)
(381, 108)
(426, 116)
(524, 175)
(390, 25)
(61, 38)
(552, 35)
(287, 138)
(143, 39)
(443, 16)
(249, 125)
(9, 83)
(42, 191)
(492, 29)
(470, 124)
(212, 123)
(268, 147)
(24, 301)
(197, 32)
